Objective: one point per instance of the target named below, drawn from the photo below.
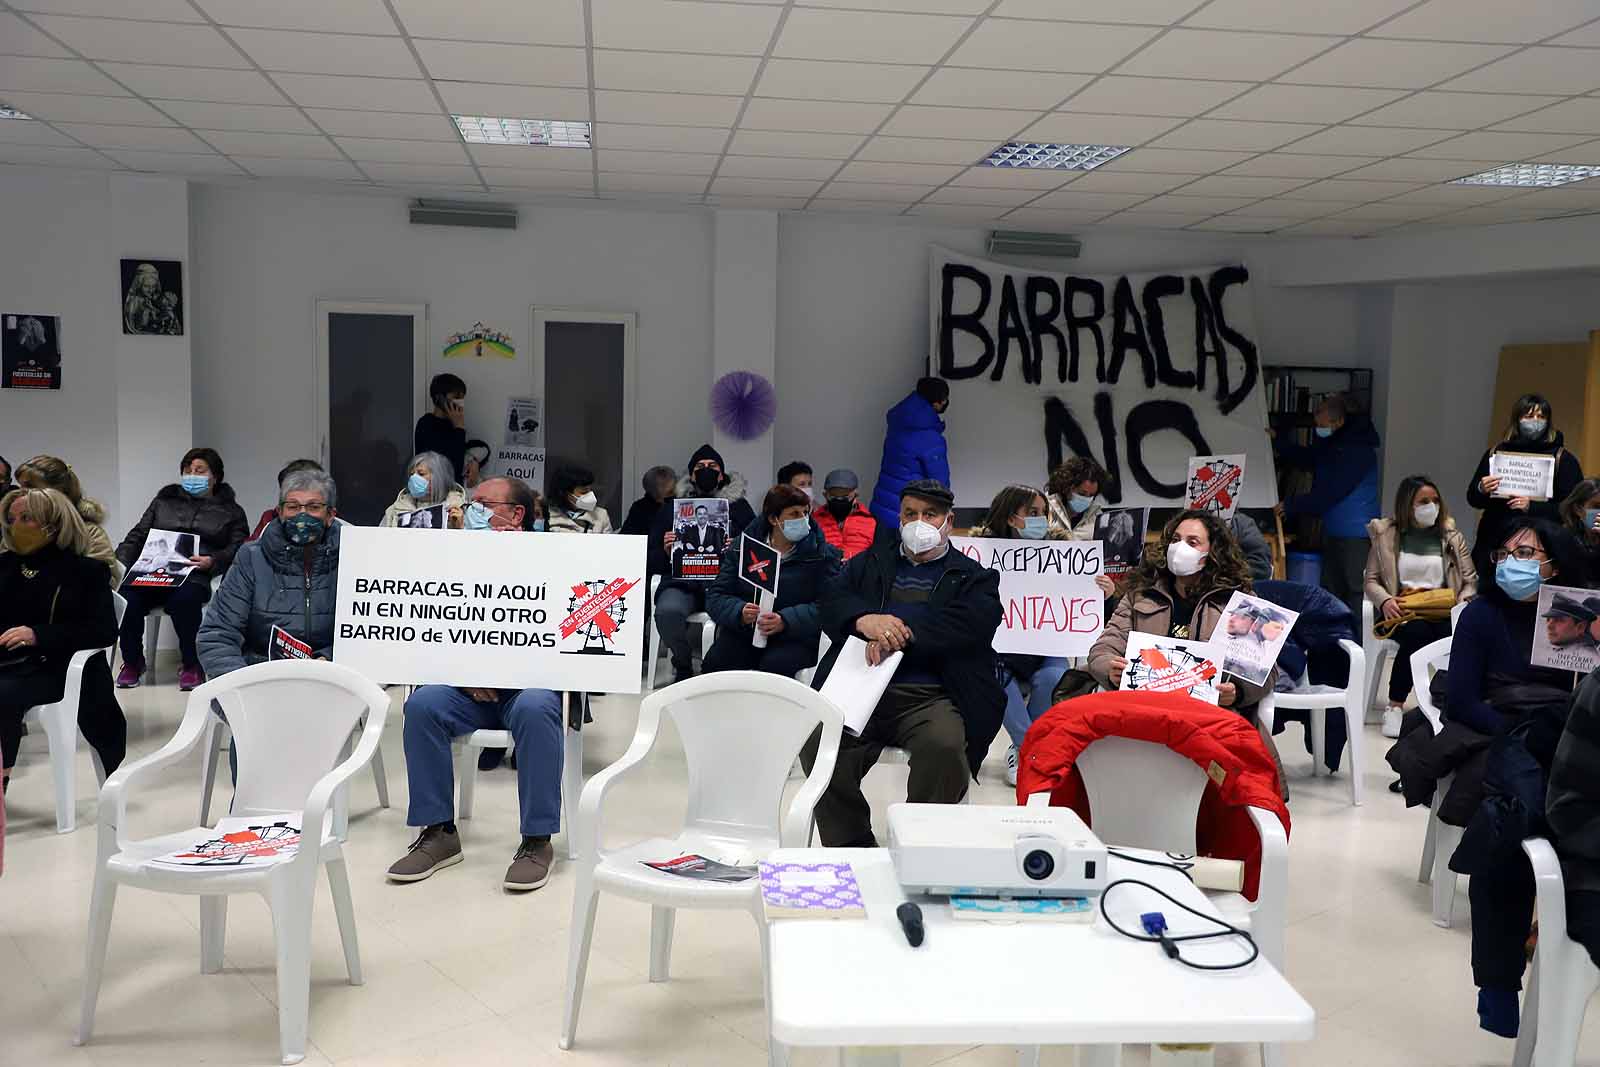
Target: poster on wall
(524, 422)
(152, 297)
(1138, 371)
(479, 342)
(1566, 634)
(1047, 589)
(30, 352)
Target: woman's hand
(770, 622)
(18, 637)
(1391, 608)
(482, 696)
(748, 613)
(666, 541)
(1107, 586)
(1489, 483)
(1227, 693)
(201, 563)
(1518, 503)
(452, 517)
(1114, 674)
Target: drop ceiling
(1255, 116)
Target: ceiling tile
(17, 38)
(976, 124)
(158, 138)
(959, 213)
(143, 42)
(1280, 208)
(514, 101)
(394, 124)
(1581, 115)
(905, 173)
(428, 174)
(1455, 196)
(1393, 64)
(237, 117)
(864, 191)
(777, 167)
(1102, 180)
(322, 16)
(295, 145)
(1368, 141)
(518, 64)
(781, 143)
(1070, 198)
(932, 7)
(670, 109)
(814, 79)
(1010, 44)
(55, 76)
(1023, 178)
(1422, 170)
(1117, 95)
(581, 181)
(683, 26)
(336, 169)
(1350, 191)
(1294, 165)
(366, 94)
(1217, 54)
(1150, 12)
(1242, 224)
(1490, 20)
(547, 22)
(863, 207)
(1389, 212)
(815, 116)
(1588, 37)
(531, 157)
(760, 186)
(1536, 70)
(174, 162)
(196, 83)
(15, 132)
(1585, 151)
(673, 72)
(966, 87)
(1053, 219)
(620, 159)
(651, 183)
(68, 107)
(1345, 17)
(1240, 136)
(1073, 127)
(1193, 204)
(382, 150)
(1239, 185)
(1507, 146)
(868, 36)
(1330, 228)
(1452, 111)
(157, 10)
(662, 138)
(977, 194)
(926, 150)
(327, 53)
(1177, 160)
(1136, 219)
(1304, 103)
(758, 203)
(45, 155)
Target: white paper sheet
(855, 686)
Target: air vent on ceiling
(1034, 245)
(463, 213)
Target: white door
(583, 366)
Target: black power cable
(1155, 925)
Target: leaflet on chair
(246, 842)
(855, 686)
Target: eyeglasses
(1522, 552)
(288, 508)
(495, 503)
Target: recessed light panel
(547, 133)
(13, 113)
(1045, 156)
(1531, 175)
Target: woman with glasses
(1530, 429)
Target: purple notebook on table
(811, 891)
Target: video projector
(981, 850)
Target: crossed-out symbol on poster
(757, 568)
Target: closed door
(586, 364)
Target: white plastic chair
(1441, 839)
(211, 755)
(465, 752)
(60, 724)
(1144, 795)
(708, 633)
(1564, 977)
(1377, 650)
(291, 720)
(740, 731)
(152, 633)
(1320, 701)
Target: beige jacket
(597, 521)
(1383, 563)
(404, 503)
(1064, 526)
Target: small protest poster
(152, 297)
(281, 644)
(239, 842)
(1252, 633)
(1566, 635)
(524, 422)
(759, 563)
(433, 518)
(1171, 665)
(701, 869)
(1121, 531)
(30, 352)
(1523, 474)
(699, 532)
(1215, 484)
(520, 461)
(163, 563)
(1052, 605)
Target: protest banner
(501, 610)
(1052, 605)
(1252, 633)
(1171, 665)
(163, 563)
(699, 532)
(1523, 474)
(1566, 634)
(758, 564)
(1215, 484)
(1121, 531)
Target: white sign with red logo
(1215, 484)
(493, 610)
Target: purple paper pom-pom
(743, 404)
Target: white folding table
(857, 985)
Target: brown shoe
(435, 848)
(530, 867)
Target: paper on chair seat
(855, 686)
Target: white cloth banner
(1052, 605)
(490, 609)
(1141, 371)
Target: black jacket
(67, 602)
(1572, 805)
(1495, 508)
(436, 434)
(641, 515)
(740, 516)
(218, 521)
(801, 579)
(956, 637)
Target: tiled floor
(458, 971)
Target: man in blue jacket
(913, 448)
(1343, 461)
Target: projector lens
(1038, 865)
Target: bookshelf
(1293, 394)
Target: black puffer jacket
(1572, 804)
(217, 519)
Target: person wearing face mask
(1580, 514)
(574, 508)
(1417, 550)
(913, 447)
(794, 623)
(430, 481)
(797, 472)
(1530, 429)
(845, 522)
(202, 504)
(55, 600)
(1074, 498)
(944, 705)
(676, 600)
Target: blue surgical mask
(1080, 503)
(1034, 527)
(1589, 518)
(1324, 431)
(476, 517)
(1519, 579)
(417, 486)
(1532, 429)
(538, 526)
(195, 484)
(796, 529)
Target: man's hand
(201, 563)
(1114, 674)
(893, 634)
(1105, 584)
(458, 413)
(482, 696)
(770, 622)
(748, 613)
(1489, 483)
(876, 653)
(1391, 608)
(18, 637)
(1227, 693)
(1518, 503)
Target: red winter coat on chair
(1220, 742)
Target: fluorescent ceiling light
(1531, 175)
(13, 113)
(1052, 156)
(550, 133)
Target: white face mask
(1184, 560)
(586, 502)
(920, 537)
(1425, 514)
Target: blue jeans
(437, 714)
(1020, 715)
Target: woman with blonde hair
(50, 472)
(55, 599)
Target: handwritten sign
(1523, 474)
(1052, 605)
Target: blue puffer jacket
(913, 448)
(801, 579)
(1344, 478)
(271, 583)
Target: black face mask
(840, 507)
(706, 479)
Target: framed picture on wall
(152, 297)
